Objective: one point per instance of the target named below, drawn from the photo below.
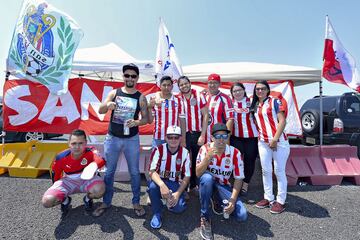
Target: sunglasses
(221, 136)
(173, 137)
(133, 76)
(261, 89)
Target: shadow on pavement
(111, 221)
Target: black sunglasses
(221, 136)
(133, 76)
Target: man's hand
(111, 105)
(164, 190)
(131, 123)
(174, 199)
(211, 152)
(230, 208)
(201, 140)
(152, 102)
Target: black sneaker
(65, 207)
(216, 207)
(88, 204)
(205, 229)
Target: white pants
(280, 157)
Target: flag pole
(321, 92)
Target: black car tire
(310, 121)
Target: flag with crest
(43, 45)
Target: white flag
(43, 45)
(339, 66)
(166, 62)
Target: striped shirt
(167, 114)
(220, 111)
(267, 120)
(192, 109)
(244, 124)
(221, 167)
(170, 166)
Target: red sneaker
(277, 208)
(263, 204)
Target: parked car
(24, 136)
(341, 120)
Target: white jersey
(267, 120)
(167, 114)
(170, 166)
(221, 167)
(244, 124)
(220, 111)
(192, 109)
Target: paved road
(312, 213)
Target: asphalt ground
(313, 212)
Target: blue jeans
(209, 187)
(157, 142)
(155, 197)
(113, 146)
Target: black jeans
(193, 147)
(249, 151)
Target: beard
(129, 84)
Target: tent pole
(321, 113)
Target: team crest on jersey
(248, 104)
(84, 161)
(227, 161)
(193, 101)
(178, 161)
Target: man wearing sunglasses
(170, 174)
(216, 162)
(126, 104)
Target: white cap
(173, 130)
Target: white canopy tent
(105, 62)
(235, 71)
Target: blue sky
(280, 32)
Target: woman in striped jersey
(244, 136)
(273, 145)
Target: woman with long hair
(273, 145)
(244, 136)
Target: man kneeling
(215, 163)
(73, 171)
(170, 175)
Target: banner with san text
(29, 106)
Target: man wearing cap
(170, 174)
(196, 119)
(216, 162)
(220, 105)
(167, 110)
(126, 104)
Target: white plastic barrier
(122, 173)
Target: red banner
(29, 106)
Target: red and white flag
(339, 66)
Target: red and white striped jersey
(192, 109)
(244, 124)
(221, 167)
(267, 120)
(220, 110)
(170, 166)
(167, 114)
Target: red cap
(215, 77)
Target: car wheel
(30, 136)
(310, 121)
